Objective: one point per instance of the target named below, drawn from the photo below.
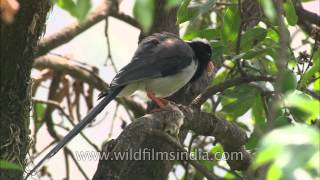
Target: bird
(162, 64)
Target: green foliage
(269, 10)
(230, 28)
(183, 14)
(249, 105)
(290, 82)
(38, 115)
(238, 100)
(290, 12)
(9, 165)
(305, 103)
(289, 144)
(143, 11)
(291, 150)
(78, 8)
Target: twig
(44, 149)
(109, 56)
(238, 60)
(112, 122)
(126, 18)
(69, 118)
(281, 59)
(69, 152)
(67, 164)
(198, 101)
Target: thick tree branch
(164, 136)
(69, 32)
(136, 137)
(68, 67)
(58, 63)
(106, 8)
(308, 16)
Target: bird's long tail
(86, 120)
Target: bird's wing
(155, 57)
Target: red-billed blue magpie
(162, 64)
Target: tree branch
(137, 137)
(74, 29)
(198, 101)
(88, 76)
(164, 136)
(106, 8)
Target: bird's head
(202, 51)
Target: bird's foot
(162, 103)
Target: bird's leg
(160, 102)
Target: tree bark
(17, 47)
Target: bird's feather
(155, 57)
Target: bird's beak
(210, 68)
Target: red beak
(210, 68)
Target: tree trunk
(17, 47)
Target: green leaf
(252, 37)
(218, 50)
(241, 99)
(272, 34)
(82, 9)
(183, 14)
(172, 3)
(267, 154)
(258, 114)
(303, 102)
(290, 12)
(68, 5)
(255, 53)
(207, 34)
(229, 175)
(231, 25)
(9, 165)
(143, 12)
(282, 148)
(316, 86)
(40, 110)
(217, 151)
(78, 9)
(206, 107)
(269, 10)
(253, 140)
(281, 121)
(289, 82)
(298, 114)
(222, 73)
(274, 172)
(38, 115)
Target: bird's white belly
(166, 86)
(162, 86)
